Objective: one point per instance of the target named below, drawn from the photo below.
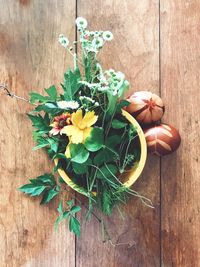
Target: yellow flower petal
(75, 133)
(78, 137)
(77, 117)
(88, 120)
(86, 133)
(68, 130)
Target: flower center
(62, 123)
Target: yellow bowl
(128, 177)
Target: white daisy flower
(81, 23)
(68, 104)
(96, 34)
(107, 36)
(120, 76)
(97, 42)
(63, 40)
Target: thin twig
(11, 94)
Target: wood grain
(31, 59)
(180, 61)
(135, 51)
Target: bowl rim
(136, 170)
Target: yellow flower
(81, 126)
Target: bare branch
(11, 94)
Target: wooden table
(157, 46)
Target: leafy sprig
(69, 214)
(44, 185)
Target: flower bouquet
(97, 147)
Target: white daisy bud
(107, 36)
(97, 42)
(81, 23)
(63, 40)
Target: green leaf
(48, 196)
(117, 124)
(95, 141)
(59, 156)
(71, 84)
(122, 104)
(75, 209)
(41, 143)
(112, 141)
(70, 203)
(74, 226)
(112, 104)
(124, 87)
(44, 184)
(40, 123)
(104, 155)
(79, 168)
(32, 189)
(60, 207)
(49, 107)
(36, 97)
(107, 171)
(78, 153)
(106, 203)
(45, 179)
(52, 92)
(53, 142)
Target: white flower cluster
(114, 82)
(110, 81)
(68, 104)
(87, 101)
(92, 41)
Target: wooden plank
(31, 59)
(180, 61)
(135, 51)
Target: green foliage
(78, 153)
(107, 172)
(40, 123)
(112, 104)
(44, 185)
(81, 168)
(52, 92)
(49, 107)
(71, 84)
(117, 124)
(50, 142)
(107, 202)
(36, 97)
(95, 141)
(69, 214)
